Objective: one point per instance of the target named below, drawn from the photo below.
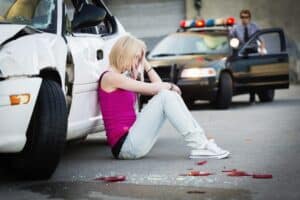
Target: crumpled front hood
(9, 31)
(23, 52)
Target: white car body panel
(29, 54)
(21, 61)
(8, 31)
(15, 119)
(85, 116)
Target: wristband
(149, 69)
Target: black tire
(266, 95)
(46, 135)
(225, 92)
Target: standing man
(243, 32)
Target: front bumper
(15, 118)
(198, 88)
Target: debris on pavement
(195, 192)
(196, 173)
(202, 162)
(235, 172)
(238, 173)
(111, 178)
(262, 176)
(229, 170)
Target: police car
(52, 53)
(207, 64)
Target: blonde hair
(124, 50)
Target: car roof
(221, 30)
(195, 32)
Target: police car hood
(11, 31)
(186, 60)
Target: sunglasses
(244, 17)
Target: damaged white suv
(52, 53)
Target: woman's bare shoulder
(107, 77)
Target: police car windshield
(41, 14)
(191, 44)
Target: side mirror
(88, 16)
(234, 43)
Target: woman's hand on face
(138, 66)
(134, 72)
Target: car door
(86, 49)
(268, 69)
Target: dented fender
(29, 54)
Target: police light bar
(230, 21)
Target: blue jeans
(144, 132)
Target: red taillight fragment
(111, 178)
(238, 173)
(202, 162)
(262, 176)
(198, 173)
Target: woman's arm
(116, 80)
(153, 76)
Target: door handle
(99, 54)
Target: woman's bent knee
(167, 93)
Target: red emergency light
(200, 23)
(182, 23)
(230, 21)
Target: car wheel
(46, 134)
(224, 95)
(266, 95)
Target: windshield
(40, 14)
(191, 43)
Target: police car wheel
(46, 135)
(225, 92)
(266, 95)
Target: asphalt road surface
(263, 138)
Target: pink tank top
(117, 108)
